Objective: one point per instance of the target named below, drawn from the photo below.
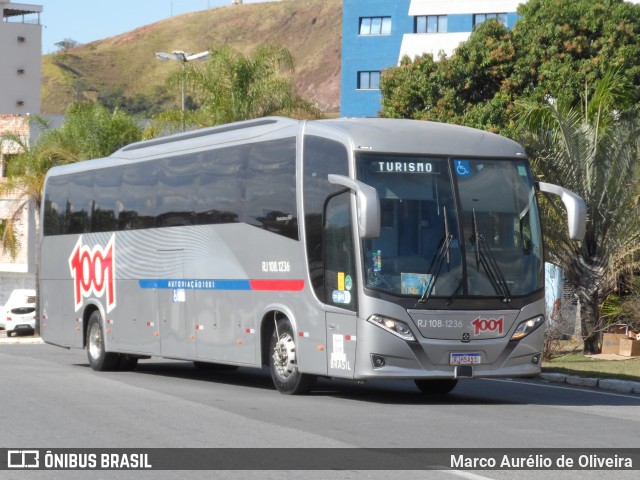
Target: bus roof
(423, 137)
(365, 134)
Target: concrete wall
(21, 40)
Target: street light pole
(183, 58)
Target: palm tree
(594, 151)
(232, 86)
(89, 131)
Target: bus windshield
(453, 227)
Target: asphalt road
(50, 398)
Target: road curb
(622, 386)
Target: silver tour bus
(347, 248)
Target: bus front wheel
(436, 387)
(99, 359)
(283, 362)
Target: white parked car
(19, 313)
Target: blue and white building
(376, 34)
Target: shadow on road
(399, 392)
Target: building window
(431, 24)
(479, 18)
(375, 26)
(368, 80)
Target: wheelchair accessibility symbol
(462, 168)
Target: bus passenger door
(340, 286)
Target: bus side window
(321, 157)
(270, 187)
(339, 254)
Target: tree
(464, 88)
(592, 149)
(232, 86)
(138, 104)
(88, 131)
(555, 48)
(66, 44)
(564, 45)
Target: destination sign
(403, 166)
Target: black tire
(436, 387)
(99, 359)
(214, 367)
(9, 334)
(283, 362)
(127, 363)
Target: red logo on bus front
(93, 272)
(488, 325)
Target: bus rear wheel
(436, 387)
(99, 359)
(283, 362)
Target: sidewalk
(621, 386)
(19, 339)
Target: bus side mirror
(368, 205)
(576, 209)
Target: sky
(87, 20)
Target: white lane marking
(535, 384)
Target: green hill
(125, 65)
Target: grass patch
(575, 363)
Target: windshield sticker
(377, 261)
(522, 171)
(340, 280)
(341, 296)
(414, 283)
(462, 168)
(348, 282)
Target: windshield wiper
(486, 258)
(438, 259)
(454, 294)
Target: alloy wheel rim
(284, 357)
(95, 341)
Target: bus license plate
(464, 359)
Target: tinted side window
(219, 195)
(56, 196)
(270, 187)
(139, 190)
(340, 271)
(79, 203)
(177, 184)
(253, 183)
(320, 157)
(107, 200)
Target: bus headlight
(396, 327)
(526, 327)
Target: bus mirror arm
(368, 205)
(576, 208)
